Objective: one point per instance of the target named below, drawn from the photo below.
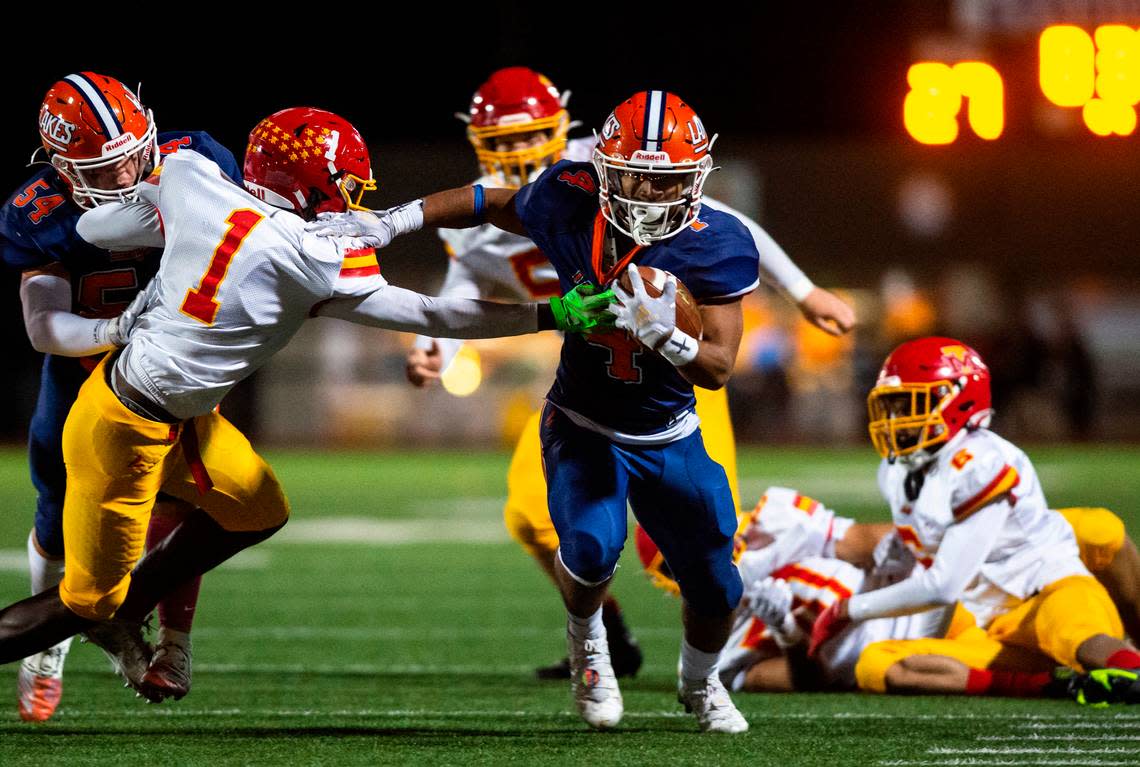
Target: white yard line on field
(359, 633)
(373, 532)
(1031, 750)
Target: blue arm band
(479, 204)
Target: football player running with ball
(618, 424)
(239, 276)
(970, 507)
(100, 142)
(518, 124)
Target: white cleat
(123, 642)
(39, 683)
(711, 703)
(593, 683)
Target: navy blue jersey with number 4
(611, 378)
(37, 227)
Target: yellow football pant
(117, 462)
(1053, 624)
(1100, 535)
(526, 514)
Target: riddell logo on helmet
(55, 129)
(118, 143)
(642, 156)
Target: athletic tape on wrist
(680, 348)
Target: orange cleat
(39, 683)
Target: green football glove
(582, 310)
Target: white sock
(173, 636)
(45, 573)
(695, 664)
(582, 629)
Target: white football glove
(893, 561)
(771, 602)
(376, 229)
(650, 320)
(118, 330)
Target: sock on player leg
(1009, 684)
(45, 572)
(590, 627)
(696, 664)
(176, 610)
(1128, 659)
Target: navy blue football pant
(60, 380)
(678, 494)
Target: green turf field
(393, 623)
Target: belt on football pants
(144, 407)
(136, 401)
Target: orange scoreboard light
(1098, 73)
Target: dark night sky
(763, 72)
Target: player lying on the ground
(619, 423)
(239, 276)
(798, 557)
(100, 142)
(969, 506)
(517, 124)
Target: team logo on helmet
(56, 129)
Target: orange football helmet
(652, 160)
(98, 136)
(928, 391)
(309, 161)
(517, 123)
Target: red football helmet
(517, 123)
(928, 390)
(98, 136)
(309, 161)
(652, 159)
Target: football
(688, 313)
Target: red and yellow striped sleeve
(796, 572)
(361, 262)
(1000, 485)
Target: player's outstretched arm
(458, 208)
(473, 205)
(395, 308)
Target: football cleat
(712, 705)
(40, 683)
(123, 643)
(593, 683)
(1106, 686)
(169, 673)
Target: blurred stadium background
(376, 628)
(1017, 234)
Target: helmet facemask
(650, 201)
(514, 168)
(91, 179)
(906, 418)
(353, 188)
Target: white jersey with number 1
(238, 279)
